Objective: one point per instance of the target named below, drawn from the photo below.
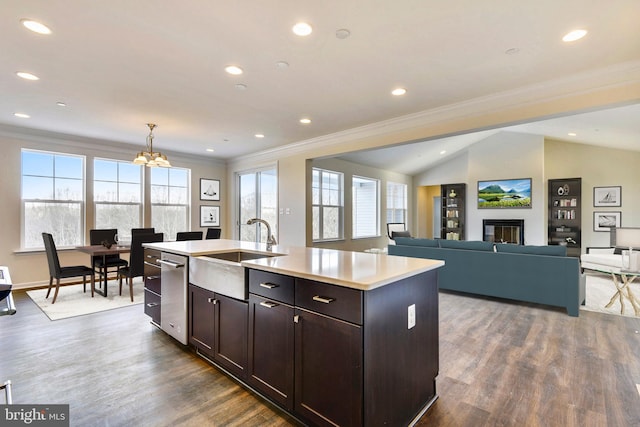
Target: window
(117, 195)
(396, 202)
(258, 199)
(52, 198)
(365, 207)
(327, 204)
(170, 201)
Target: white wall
(598, 167)
(350, 169)
(31, 268)
(504, 155)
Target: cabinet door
(271, 349)
(201, 320)
(328, 370)
(231, 332)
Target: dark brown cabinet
(152, 285)
(565, 218)
(328, 370)
(271, 349)
(218, 328)
(453, 211)
(304, 352)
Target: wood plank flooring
(501, 364)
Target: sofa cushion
(408, 241)
(554, 250)
(474, 245)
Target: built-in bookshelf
(453, 211)
(565, 214)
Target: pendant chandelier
(149, 157)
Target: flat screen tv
(504, 193)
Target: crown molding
(565, 88)
(81, 143)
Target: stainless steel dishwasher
(173, 304)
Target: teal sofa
(536, 274)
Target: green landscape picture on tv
(504, 193)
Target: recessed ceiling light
(283, 65)
(443, 152)
(240, 86)
(572, 134)
(305, 121)
(512, 51)
(35, 26)
(343, 33)
(233, 69)
(27, 76)
(574, 35)
(210, 150)
(399, 91)
(259, 135)
(22, 115)
(61, 104)
(302, 29)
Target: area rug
(73, 302)
(600, 289)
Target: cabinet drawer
(331, 300)
(152, 306)
(272, 286)
(151, 265)
(152, 283)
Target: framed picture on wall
(209, 189)
(209, 216)
(603, 221)
(607, 196)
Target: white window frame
(321, 205)
(171, 236)
(81, 203)
(359, 213)
(123, 234)
(393, 197)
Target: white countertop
(358, 270)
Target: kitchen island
(332, 337)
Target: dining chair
(136, 258)
(213, 233)
(188, 235)
(102, 263)
(58, 272)
(136, 231)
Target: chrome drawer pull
(268, 304)
(323, 299)
(152, 304)
(212, 300)
(269, 285)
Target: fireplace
(503, 231)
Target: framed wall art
(209, 189)
(607, 196)
(209, 216)
(604, 221)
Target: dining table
(104, 251)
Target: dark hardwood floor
(501, 364)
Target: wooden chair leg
(49, 290)
(55, 294)
(131, 287)
(84, 284)
(120, 284)
(93, 284)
